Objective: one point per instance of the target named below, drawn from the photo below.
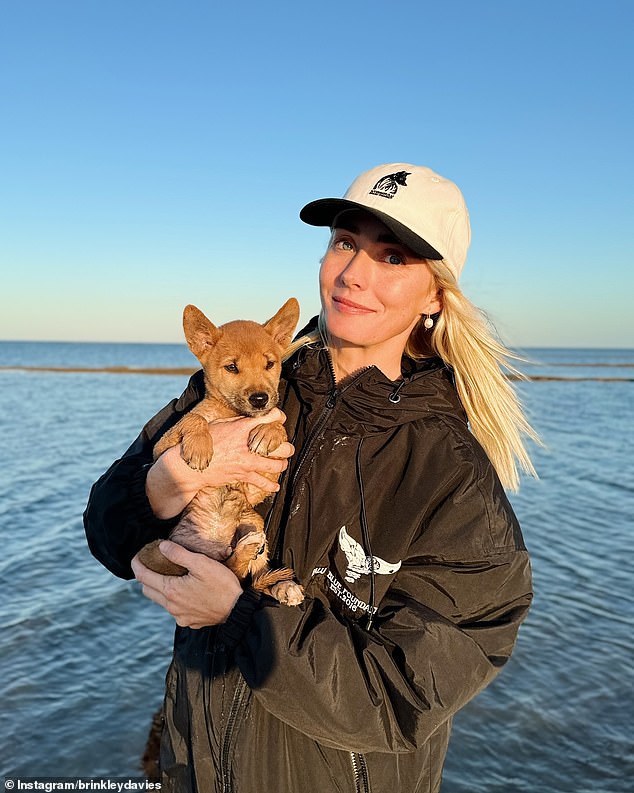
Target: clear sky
(157, 153)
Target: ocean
(84, 654)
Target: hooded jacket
(416, 580)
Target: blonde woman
(392, 512)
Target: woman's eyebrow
(347, 225)
(390, 239)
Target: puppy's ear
(201, 334)
(282, 325)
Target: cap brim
(325, 210)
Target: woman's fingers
(283, 451)
(262, 478)
(233, 459)
(171, 483)
(153, 583)
(204, 596)
(274, 415)
(248, 422)
(179, 555)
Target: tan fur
(241, 362)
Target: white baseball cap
(424, 210)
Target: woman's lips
(349, 307)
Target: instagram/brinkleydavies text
(51, 784)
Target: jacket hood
(369, 398)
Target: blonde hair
(480, 362)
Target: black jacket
(416, 577)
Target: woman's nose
(356, 271)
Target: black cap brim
(324, 211)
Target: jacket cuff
(140, 505)
(232, 631)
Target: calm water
(84, 654)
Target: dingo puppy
(241, 362)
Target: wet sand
(103, 370)
(188, 371)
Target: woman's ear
(434, 305)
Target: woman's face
(373, 288)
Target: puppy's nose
(259, 399)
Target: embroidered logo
(388, 185)
(359, 563)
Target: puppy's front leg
(192, 432)
(265, 438)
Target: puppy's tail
(264, 579)
(280, 585)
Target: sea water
(84, 654)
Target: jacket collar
(369, 397)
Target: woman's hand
(204, 596)
(171, 483)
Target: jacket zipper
(317, 429)
(360, 771)
(326, 412)
(323, 417)
(312, 438)
(310, 442)
(237, 704)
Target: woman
(391, 513)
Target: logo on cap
(387, 186)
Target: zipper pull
(332, 399)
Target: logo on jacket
(359, 563)
(388, 185)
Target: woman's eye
(270, 365)
(344, 245)
(231, 367)
(394, 258)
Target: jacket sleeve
(118, 519)
(442, 632)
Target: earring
(429, 322)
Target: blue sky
(157, 153)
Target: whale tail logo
(359, 563)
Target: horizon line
(184, 344)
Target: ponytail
(462, 338)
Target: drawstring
(366, 535)
(395, 397)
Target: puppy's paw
(265, 438)
(288, 592)
(197, 449)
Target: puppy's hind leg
(250, 548)
(279, 584)
(151, 557)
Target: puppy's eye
(270, 365)
(231, 367)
